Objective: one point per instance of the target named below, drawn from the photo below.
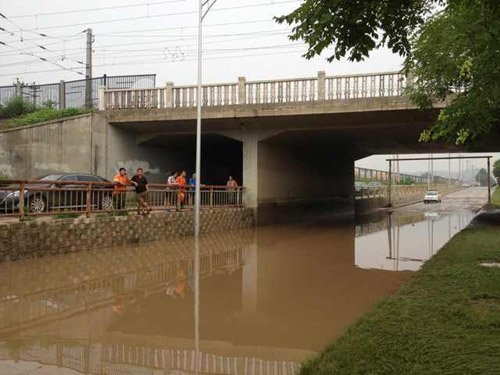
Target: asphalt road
(468, 199)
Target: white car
(432, 196)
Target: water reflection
(408, 239)
(251, 302)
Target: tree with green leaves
(482, 177)
(496, 170)
(451, 49)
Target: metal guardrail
(404, 193)
(311, 89)
(71, 94)
(21, 198)
(126, 358)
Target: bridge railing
(283, 91)
(365, 85)
(310, 89)
(22, 198)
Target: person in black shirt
(141, 192)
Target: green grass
(444, 320)
(44, 114)
(495, 197)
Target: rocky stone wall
(44, 237)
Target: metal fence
(71, 94)
(40, 197)
(119, 358)
(402, 194)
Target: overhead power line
(163, 15)
(185, 27)
(95, 9)
(217, 39)
(36, 46)
(41, 58)
(163, 61)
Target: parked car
(432, 196)
(359, 187)
(42, 197)
(374, 185)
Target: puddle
(490, 265)
(265, 300)
(405, 241)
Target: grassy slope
(41, 115)
(444, 320)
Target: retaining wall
(39, 238)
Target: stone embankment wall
(39, 238)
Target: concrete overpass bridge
(292, 143)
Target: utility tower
(88, 70)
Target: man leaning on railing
(141, 192)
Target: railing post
(211, 196)
(19, 89)
(489, 180)
(102, 98)
(389, 186)
(89, 203)
(62, 94)
(242, 92)
(21, 201)
(321, 85)
(409, 80)
(169, 94)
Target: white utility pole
(197, 195)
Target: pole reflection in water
(410, 239)
(197, 305)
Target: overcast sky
(155, 36)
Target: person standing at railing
(141, 192)
(231, 186)
(192, 186)
(121, 182)
(181, 185)
(170, 197)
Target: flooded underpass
(268, 299)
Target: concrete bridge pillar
(250, 169)
(288, 177)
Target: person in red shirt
(181, 183)
(121, 182)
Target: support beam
(389, 186)
(489, 181)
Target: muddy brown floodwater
(269, 298)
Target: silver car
(432, 196)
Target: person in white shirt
(171, 196)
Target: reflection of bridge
(119, 358)
(35, 294)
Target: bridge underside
(292, 165)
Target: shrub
(47, 114)
(16, 106)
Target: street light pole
(197, 194)
(197, 200)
